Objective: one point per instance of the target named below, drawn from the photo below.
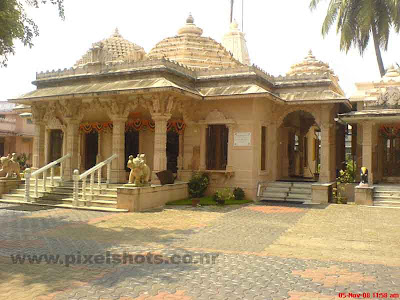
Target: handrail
(42, 170)
(50, 165)
(96, 167)
(91, 173)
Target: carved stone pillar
(328, 153)
(368, 145)
(229, 164)
(80, 144)
(272, 151)
(47, 146)
(39, 145)
(118, 173)
(99, 158)
(72, 142)
(160, 143)
(203, 146)
(181, 151)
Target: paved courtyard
(263, 251)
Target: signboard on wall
(242, 139)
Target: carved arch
(290, 110)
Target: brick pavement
(266, 251)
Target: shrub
(22, 159)
(198, 185)
(223, 195)
(238, 193)
(349, 174)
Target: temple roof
(190, 48)
(113, 49)
(310, 65)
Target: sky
(278, 33)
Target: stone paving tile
(264, 252)
(344, 233)
(267, 223)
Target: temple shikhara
(192, 104)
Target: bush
(198, 185)
(223, 195)
(22, 159)
(238, 193)
(349, 174)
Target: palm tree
(358, 19)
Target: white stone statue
(9, 167)
(140, 171)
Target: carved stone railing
(91, 173)
(39, 172)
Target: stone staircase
(287, 191)
(61, 195)
(387, 195)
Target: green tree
(357, 20)
(15, 24)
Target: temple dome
(310, 65)
(392, 74)
(113, 49)
(190, 48)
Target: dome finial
(310, 52)
(190, 19)
(116, 33)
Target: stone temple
(192, 104)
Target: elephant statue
(140, 171)
(9, 166)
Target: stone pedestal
(6, 185)
(322, 192)
(137, 199)
(364, 195)
(118, 173)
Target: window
(217, 147)
(2, 116)
(29, 121)
(263, 147)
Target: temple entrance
(391, 159)
(131, 145)
(172, 151)
(299, 147)
(56, 142)
(91, 149)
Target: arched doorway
(299, 142)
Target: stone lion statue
(140, 171)
(10, 166)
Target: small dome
(310, 65)
(113, 49)
(190, 48)
(392, 72)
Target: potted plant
(197, 186)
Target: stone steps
(287, 191)
(61, 195)
(387, 195)
(63, 205)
